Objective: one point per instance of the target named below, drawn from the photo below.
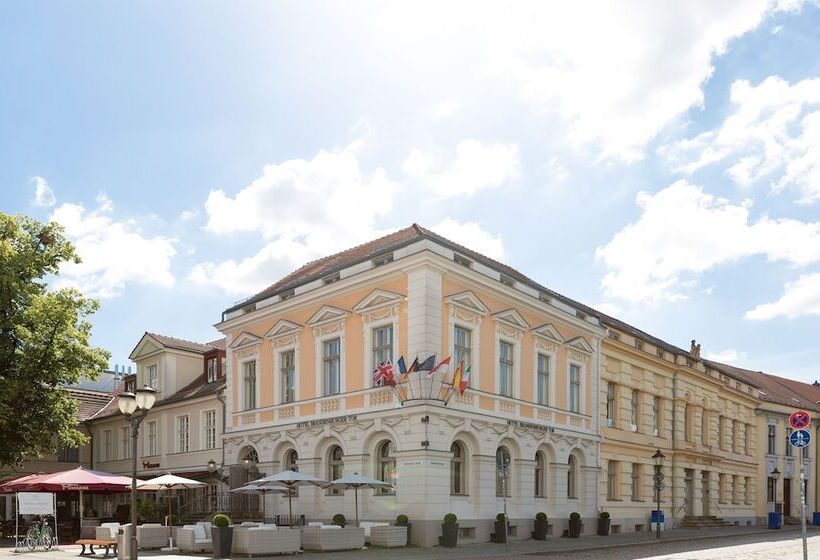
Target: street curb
(592, 548)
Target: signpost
(800, 439)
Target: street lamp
(775, 474)
(135, 408)
(658, 458)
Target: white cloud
(476, 166)
(728, 356)
(773, 133)
(188, 215)
(683, 232)
(800, 298)
(309, 209)
(114, 253)
(43, 195)
(609, 308)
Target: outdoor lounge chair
(388, 535)
(153, 535)
(367, 525)
(266, 540)
(339, 538)
(194, 538)
(107, 532)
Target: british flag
(383, 374)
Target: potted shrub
(575, 525)
(403, 521)
(449, 530)
(540, 526)
(222, 535)
(603, 523)
(339, 520)
(502, 528)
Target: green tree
(44, 341)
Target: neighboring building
(702, 418)
(183, 431)
(300, 358)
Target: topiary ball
(221, 520)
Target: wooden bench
(96, 542)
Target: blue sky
(660, 162)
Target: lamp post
(658, 458)
(775, 474)
(135, 408)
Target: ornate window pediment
(580, 344)
(284, 332)
(379, 304)
(468, 301)
(549, 333)
(328, 319)
(512, 318)
(245, 339)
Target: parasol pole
(290, 505)
(356, 494)
(81, 512)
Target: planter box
(222, 538)
(576, 526)
(502, 533)
(603, 527)
(347, 538)
(449, 535)
(388, 537)
(539, 532)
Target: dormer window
(463, 261)
(211, 369)
(130, 385)
(383, 260)
(507, 281)
(287, 294)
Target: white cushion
(315, 524)
(331, 527)
(199, 533)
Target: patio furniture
(266, 540)
(388, 536)
(107, 532)
(152, 535)
(332, 537)
(91, 543)
(289, 479)
(357, 482)
(367, 525)
(194, 538)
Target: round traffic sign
(799, 419)
(800, 438)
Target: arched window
(540, 475)
(385, 466)
(503, 470)
(335, 467)
(292, 464)
(457, 469)
(572, 478)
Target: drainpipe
(220, 396)
(673, 463)
(91, 443)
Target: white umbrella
(169, 482)
(290, 480)
(357, 481)
(254, 489)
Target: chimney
(129, 370)
(816, 383)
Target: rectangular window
(287, 367)
(610, 404)
(153, 377)
(107, 454)
(656, 416)
(543, 377)
(636, 410)
(788, 445)
(462, 346)
(505, 368)
(249, 384)
(770, 440)
(721, 487)
(209, 429)
(735, 435)
(636, 482)
(574, 388)
(331, 366)
(704, 428)
(152, 438)
(211, 369)
(612, 480)
(182, 434)
(382, 345)
(771, 488)
(126, 443)
(69, 455)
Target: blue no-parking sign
(800, 438)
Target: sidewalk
(526, 549)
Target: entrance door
(689, 492)
(787, 497)
(705, 492)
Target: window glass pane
(332, 366)
(574, 388)
(543, 379)
(505, 368)
(288, 370)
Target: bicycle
(40, 534)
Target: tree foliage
(44, 341)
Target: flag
(443, 362)
(465, 380)
(402, 366)
(383, 374)
(414, 366)
(427, 364)
(457, 375)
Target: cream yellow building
(300, 358)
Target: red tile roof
(776, 389)
(88, 402)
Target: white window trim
(126, 448)
(367, 334)
(147, 378)
(108, 450)
(278, 396)
(319, 354)
(581, 385)
(176, 433)
(475, 350)
(553, 360)
(147, 441)
(241, 362)
(516, 372)
(203, 443)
